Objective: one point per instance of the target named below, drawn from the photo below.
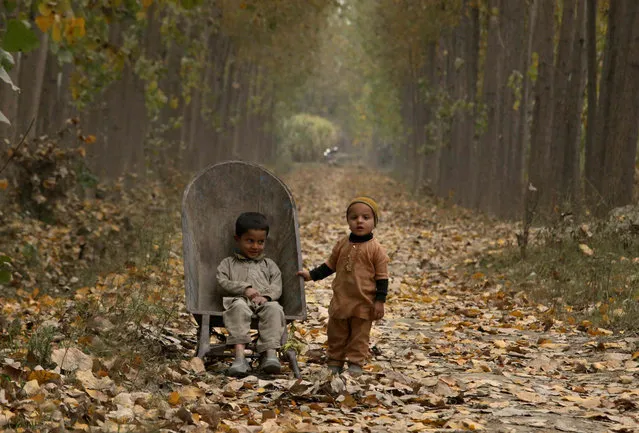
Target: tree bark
(620, 108)
(559, 144)
(539, 161)
(594, 148)
(31, 82)
(512, 21)
(571, 179)
(489, 143)
(471, 56)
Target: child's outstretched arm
(319, 273)
(324, 270)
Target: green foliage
(306, 137)
(18, 37)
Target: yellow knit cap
(368, 202)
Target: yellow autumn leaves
(58, 17)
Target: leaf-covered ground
(457, 351)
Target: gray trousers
(237, 320)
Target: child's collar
(356, 239)
(241, 256)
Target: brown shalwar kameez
(357, 266)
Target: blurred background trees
(490, 104)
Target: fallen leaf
(586, 249)
(89, 381)
(529, 397)
(72, 359)
(43, 376)
(174, 398)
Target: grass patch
(601, 288)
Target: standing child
(359, 288)
(254, 284)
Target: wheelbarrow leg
(292, 359)
(204, 341)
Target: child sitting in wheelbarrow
(253, 284)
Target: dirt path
(457, 350)
(451, 354)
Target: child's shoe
(335, 367)
(269, 363)
(239, 367)
(354, 369)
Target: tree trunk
(489, 143)
(512, 21)
(594, 149)
(620, 110)
(524, 132)
(31, 81)
(559, 145)
(446, 142)
(469, 189)
(571, 179)
(539, 161)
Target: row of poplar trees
(158, 83)
(513, 103)
(498, 105)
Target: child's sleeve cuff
(381, 290)
(321, 272)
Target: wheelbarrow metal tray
(212, 201)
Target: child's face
(360, 219)
(251, 244)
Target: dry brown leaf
(43, 376)
(72, 359)
(31, 388)
(587, 402)
(529, 397)
(190, 393)
(586, 249)
(89, 381)
(174, 398)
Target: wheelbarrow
(212, 201)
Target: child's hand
(378, 310)
(259, 300)
(305, 274)
(251, 293)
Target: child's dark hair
(250, 221)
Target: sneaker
(269, 363)
(335, 367)
(355, 369)
(239, 367)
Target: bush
(45, 174)
(305, 137)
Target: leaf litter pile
(457, 350)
